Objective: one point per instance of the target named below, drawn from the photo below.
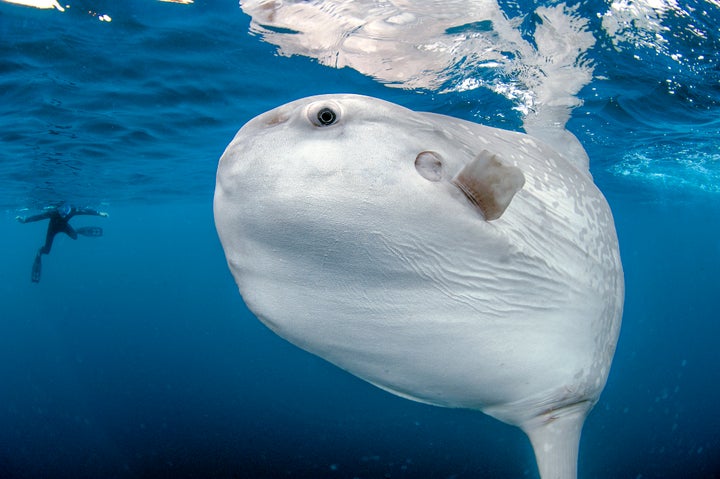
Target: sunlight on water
(50, 4)
(638, 22)
(675, 167)
(647, 28)
(43, 4)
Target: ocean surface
(135, 357)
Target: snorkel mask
(64, 210)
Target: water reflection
(50, 4)
(44, 4)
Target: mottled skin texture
(341, 244)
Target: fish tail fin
(555, 437)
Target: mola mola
(441, 260)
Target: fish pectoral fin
(489, 184)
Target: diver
(59, 217)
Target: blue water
(135, 356)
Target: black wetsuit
(60, 223)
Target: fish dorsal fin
(489, 184)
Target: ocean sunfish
(441, 260)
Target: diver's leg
(49, 237)
(70, 231)
(37, 267)
(44, 249)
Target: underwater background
(135, 355)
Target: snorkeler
(59, 217)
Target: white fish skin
(354, 241)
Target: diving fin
(91, 231)
(36, 269)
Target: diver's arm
(90, 211)
(28, 219)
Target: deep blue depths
(135, 356)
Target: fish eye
(326, 116)
(324, 113)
